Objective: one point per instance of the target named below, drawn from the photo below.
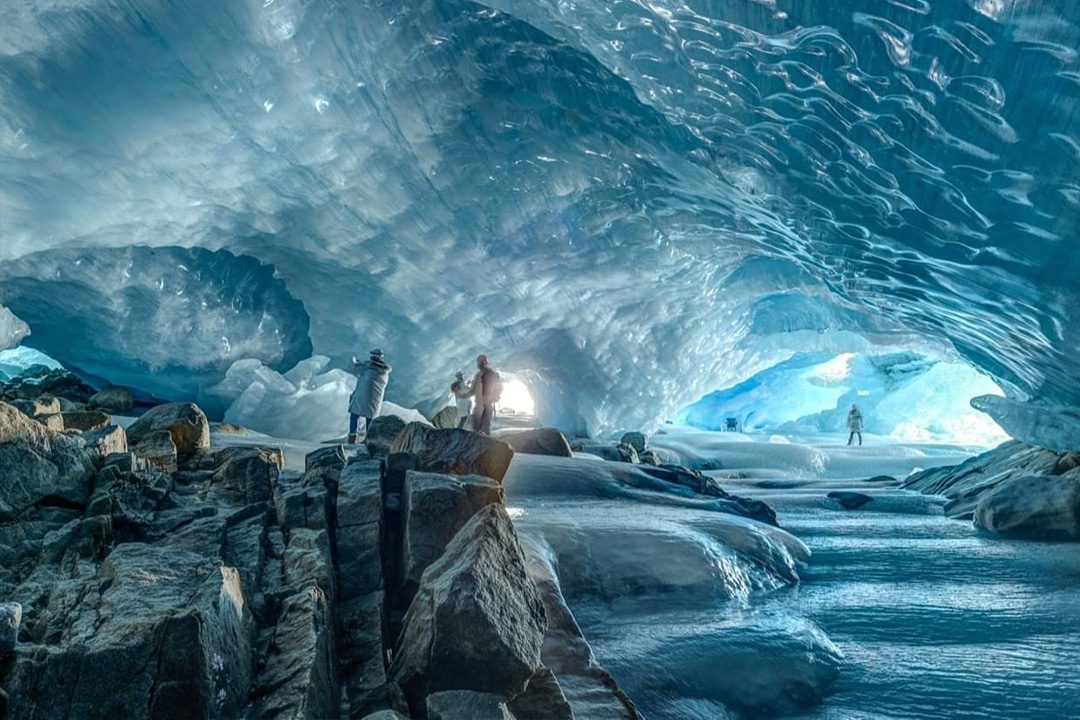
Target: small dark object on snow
(850, 500)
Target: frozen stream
(900, 612)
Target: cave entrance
(516, 398)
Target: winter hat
(459, 375)
(376, 353)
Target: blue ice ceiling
(628, 203)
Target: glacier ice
(12, 329)
(627, 205)
(165, 320)
(1054, 427)
(906, 396)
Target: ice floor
(899, 613)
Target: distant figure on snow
(463, 395)
(854, 423)
(372, 376)
(487, 387)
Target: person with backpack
(372, 377)
(855, 424)
(487, 386)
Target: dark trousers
(483, 422)
(354, 420)
(852, 437)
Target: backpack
(493, 386)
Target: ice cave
(539, 359)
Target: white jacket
(854, 421)
(371, 381)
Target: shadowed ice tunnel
(627, 204)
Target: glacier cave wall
(631, 203)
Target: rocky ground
(1015, 490)
(145, 573)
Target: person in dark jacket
(487, 387)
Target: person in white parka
(372, 377)
(463, 397)
(854, 423)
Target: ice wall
(632, 203)
(907, 396)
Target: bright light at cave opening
(516, 398)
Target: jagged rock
(543, 698)
(850, 500)
(635, 440)
(89, 420)
(10, 617)
(38, 467)
(128, 497)
(456, 452)
(466, 705)
(58, 383)
(159, 632)
(385, 715)
(324, 466)
(588, 689)
(227, 428)
(112, 399)
(299, 507)
(611, 452)
(381, 433)
(44, 405)
(307, 561)
(446, 418)
(705, 485)
(359, 523)
(185, 422)
(105, 441)
(244, 475)
(539, 441)
(54, 422)
(650, 457)
(1035, 507)
(300, 677)
(71, 406)
(434, 508)
(159, 449)
(477, 622)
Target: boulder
(16, 426)
(611, 452)
(158, 633)
(539, 441)
(455, 452)
(434, 508)
(446, 418)
(650, 457)
(385, 715)
(39, 468)
(324, 466)
(54, 422)
(105, 441)
(227, 428)
(185, 422)
(477, 622)
(1035, 507)
(883, 479)
(300, 676)
(543, 698)
(635, 440)
(381, 433)
(244, 475)
(10, 617)
(850, 500)
(466, 705)
(44, 405)
(58, 383)
(112, 399)
(84, 421)
(158, 449)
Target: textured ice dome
(627, 204)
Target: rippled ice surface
(900, 612)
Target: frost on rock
(1054, 427)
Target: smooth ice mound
(630, 204)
